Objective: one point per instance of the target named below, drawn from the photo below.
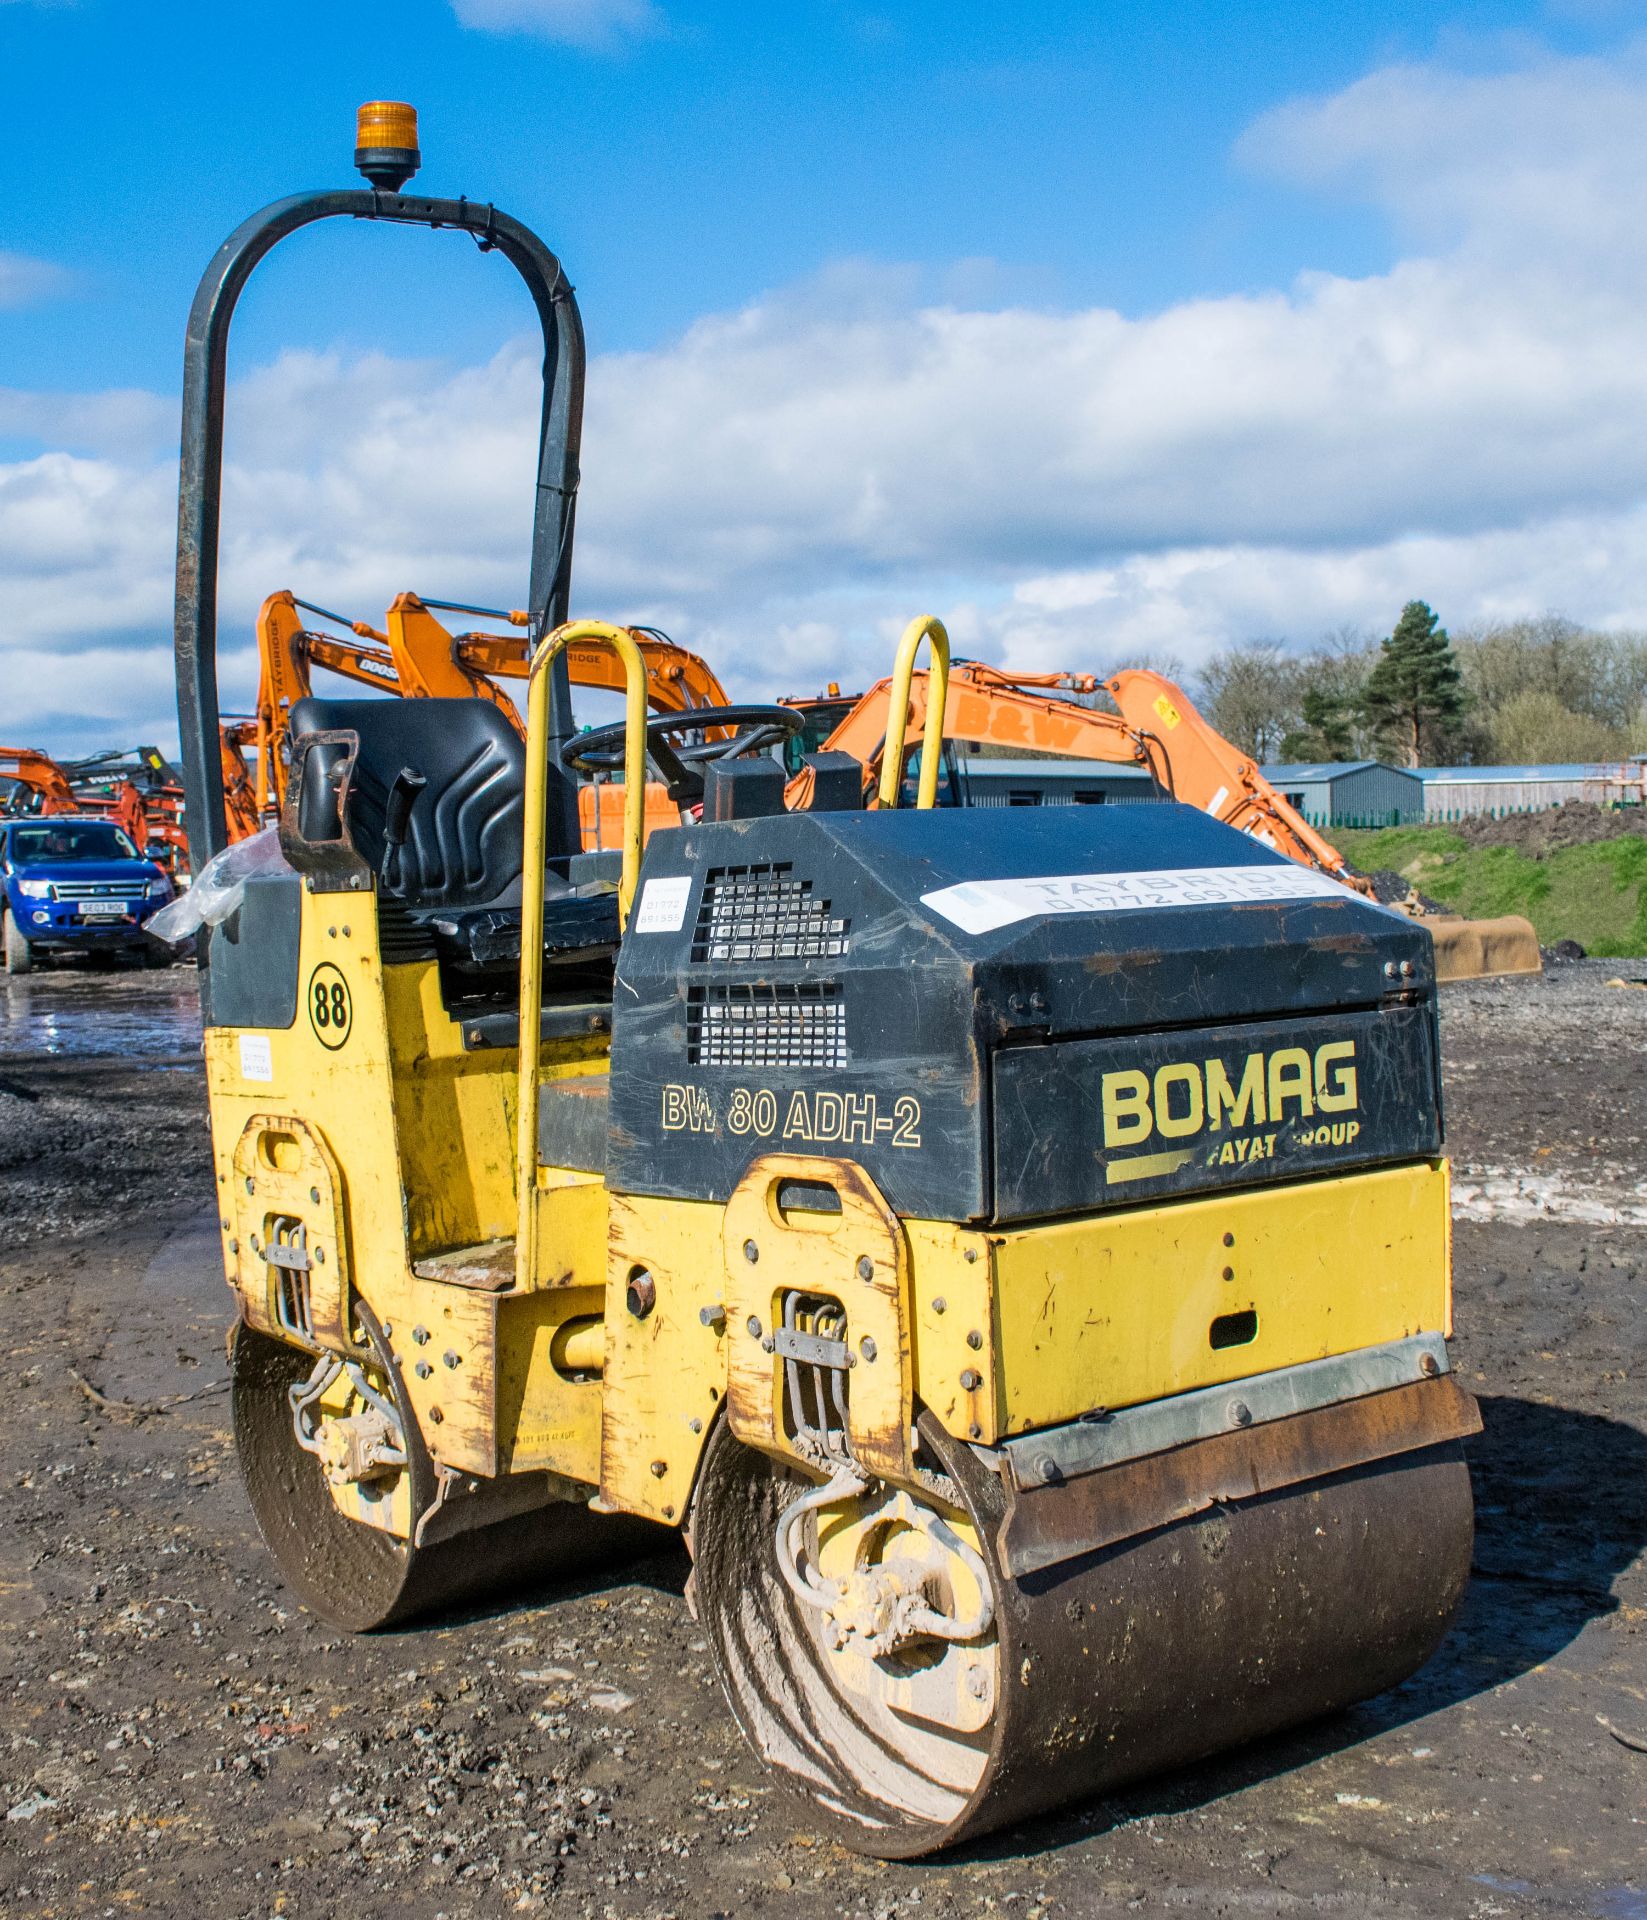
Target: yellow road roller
(1011, 1246)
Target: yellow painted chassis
(404, 1169)
(393, 1148)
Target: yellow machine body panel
(365, 1134)
(665, 1373)
(1009, 1332)
(1122, 1308)
(370, 1137)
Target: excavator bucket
(1483, 949)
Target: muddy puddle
(64, 1014)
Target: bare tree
(1251, 693)
(1548, 689)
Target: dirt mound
(1575, 823)
(1392, 889)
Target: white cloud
(596, 25)
(26, 282)
(781, 487)
(1544, 161)
(123, 423)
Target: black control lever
(397, 816)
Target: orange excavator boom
(1158, 729)
(414, 654)
(38, 775)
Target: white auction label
(256, 1059)
(662, 906)
(982, 906)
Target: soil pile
(1575, 823)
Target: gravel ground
(178, 1736)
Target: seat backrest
(435, 799)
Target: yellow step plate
(1116, 1309)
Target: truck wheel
(18, 957)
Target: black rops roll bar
(199, 500)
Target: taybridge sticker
(331, 1012)
(983, 906)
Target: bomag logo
(1187, 1099)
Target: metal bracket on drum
(879, 1608)
(353, 1447)
(814, 1299)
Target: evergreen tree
(1326, 733)
(1414, 692)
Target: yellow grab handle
(535, 857)
(924, 626)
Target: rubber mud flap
(1158, 1650)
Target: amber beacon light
(386, 149)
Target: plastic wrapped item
(219, 887)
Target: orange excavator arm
(1209, 773)
(677, 681)
(984, 704)
(288, 651)
(415, 655)
(1158, 729)
(41, 775)
(240, 799)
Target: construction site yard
(179, 1736)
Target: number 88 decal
(330, 1012)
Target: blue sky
(1062, 154)
(1100, 329)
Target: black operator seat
(434, 808)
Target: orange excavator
(416, 655)
(42, 785)
(37, 783)
(240, 798)
(137, 789)
(1158, 729)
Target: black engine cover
(1004, 1015)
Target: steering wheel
(753, 729)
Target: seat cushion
(452, 835)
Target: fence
(1322, 822)
(1361, 822)
(1440, 817)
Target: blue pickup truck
(77, 886)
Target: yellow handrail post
(924, 626)
(534, 861)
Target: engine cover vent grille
(765, 913)
(803, 1025)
